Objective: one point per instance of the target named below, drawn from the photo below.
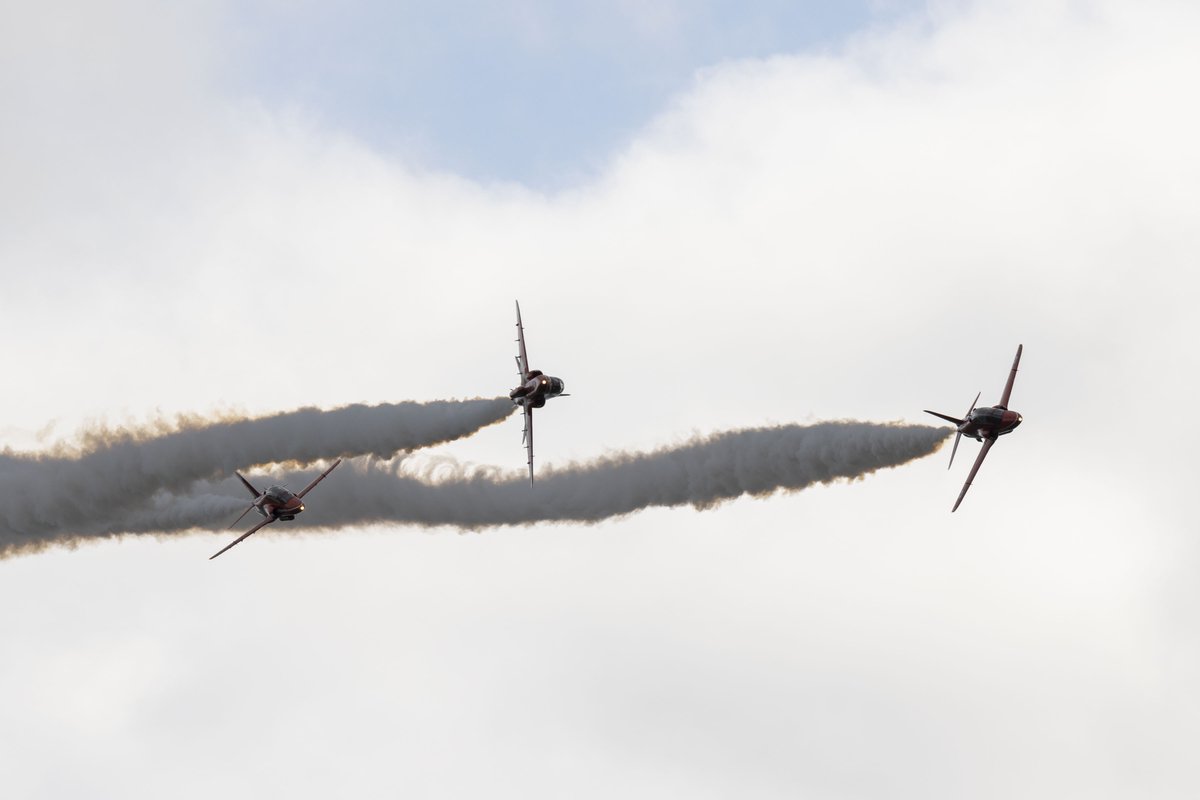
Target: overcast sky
(714, 217)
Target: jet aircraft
(533, 392)
(984, 425)
(274, 504)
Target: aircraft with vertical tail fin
(535, 389)
(984, 425)
(276, 503)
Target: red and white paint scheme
(984, 425)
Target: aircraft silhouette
(274, 504)
(984, 425)
(536, 387)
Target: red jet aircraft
(274, 504)
(533, 392)
(984, 425)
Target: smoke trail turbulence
(60, 497)
(702, 473)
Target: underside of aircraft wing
(318, 479)
(1012, 376)
(522, 356)
(528, 439)
(255, 529)
(987, 445)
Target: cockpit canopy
(279, 494)
(556, 385)
(987, 414)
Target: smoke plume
(702, 473)
(112, 474)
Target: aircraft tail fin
(957, 423)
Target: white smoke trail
(112, 473)
(702, 473)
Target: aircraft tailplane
(946, 417)
(957, 437)
(255, 493)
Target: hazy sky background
(713, 217)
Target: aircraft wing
(255, 529)
(528, 438)
(987, 445)
(318, 479)
(522, 356)
(1012, 376)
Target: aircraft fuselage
(536, 389)
(989, 422)
(279, 503)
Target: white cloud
(861, 234)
